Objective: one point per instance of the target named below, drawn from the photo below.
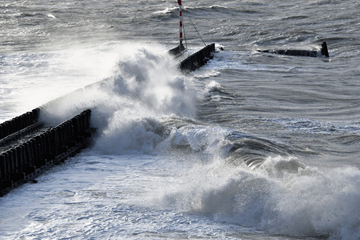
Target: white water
(156, 171)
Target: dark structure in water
(198, 59)
(195, 60)
(178, 50)
(28, 148)
(302, 53)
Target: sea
(252, 145)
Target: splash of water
(128, 106)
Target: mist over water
(250, 146)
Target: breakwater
(198, 59)
(19, 125)
(324, 52)
(28, 148)
(177, 50)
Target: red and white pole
(181, 23)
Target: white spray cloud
(283, 196)
(128, 106)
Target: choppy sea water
(251, 146)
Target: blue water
(250, 146)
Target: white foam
(282, 197)
(166, 10)
(128, 106)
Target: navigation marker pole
(179, 49)
(181, 26)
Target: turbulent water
(251, 146)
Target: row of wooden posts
(27, 158)
(198, 59)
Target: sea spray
(207, 191)
(128, 106)
(37, 78)
(283, 196)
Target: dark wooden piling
(198, 59)
(24, 158)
